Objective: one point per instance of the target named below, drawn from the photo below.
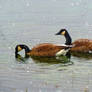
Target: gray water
(36, 21)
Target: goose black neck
(68, 39)
(26, 48)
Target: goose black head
(66, 35)
(21, 47)
(62, 32)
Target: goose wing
(46, 49)
(82, 45)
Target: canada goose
(80, 45)
(48, 49)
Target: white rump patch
(90, 52)
(62, 52)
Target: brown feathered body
(82, 45)
(45, 49)
(48, 49)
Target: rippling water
(36, 21)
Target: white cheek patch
(22, 52)
(62, 52)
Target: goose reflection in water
(53, 60)
(82, 55)
(49, 60)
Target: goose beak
(57, 33)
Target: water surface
(36, 21)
